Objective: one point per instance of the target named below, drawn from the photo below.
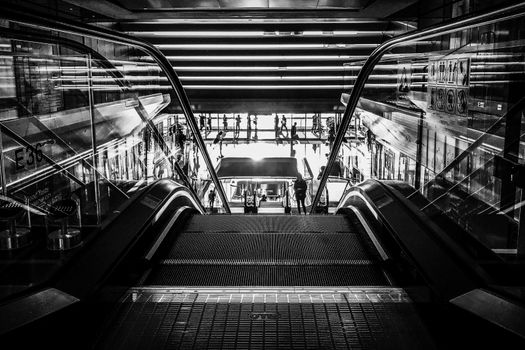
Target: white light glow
(227, 87)
(261, 46)
(100, 79)
(266, 58)
(255, 34)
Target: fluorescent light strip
(275, 68)
(229, 87)
(488, 82)
(484, 64)
(259, 68)
(284, 87)
(262, 46)
(128, 68)
(242, 20)
(265, 58)
(229, 78)
(147, 59)
(479, 73)
(255, 34)
(271, 78)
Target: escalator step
(268, 223)
(267, 275)
(268, 246)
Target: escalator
(268, 251)
(376, 275)
(389, 270)
(270, 281)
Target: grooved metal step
(268, 246)
(267, 275)
(268, 250)
(268, 223)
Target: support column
(419, 152)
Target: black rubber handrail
(22, 16)
(461, 23)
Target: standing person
(179, 160)
(283, 125)
(211, 199)
(208, 125)
(369, 138)
(220, 144)
(300, 192)
(225, 123)
(202, 122)
(255, 126)
(180, 138)
(321, 172)
(319, 125)
(295, 137)
(331, 132)
(248, 128)
(237, 125)
(218, 140)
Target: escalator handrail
(475, 272)
(466, 22)
(22, 16)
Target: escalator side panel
(93, 265)
(443, 272)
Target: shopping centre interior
(150, 152)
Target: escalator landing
(271, 318)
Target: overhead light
(255, 33)
(260, 46)
(277, 68)
(284, 87)
(206, 78)
(266, 58)
(157, 87)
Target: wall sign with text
(448, 84)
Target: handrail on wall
(21, 16)
(466, 22)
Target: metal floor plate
(327, 318)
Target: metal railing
(21, 16)
(461, 23)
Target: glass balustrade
(451, 125)
(85, 124)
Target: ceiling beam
(244, 15)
